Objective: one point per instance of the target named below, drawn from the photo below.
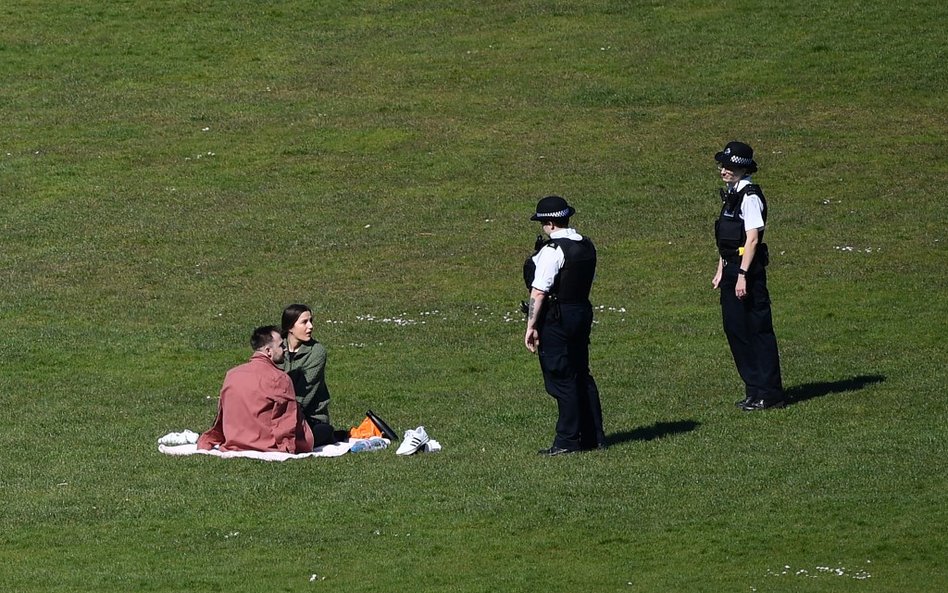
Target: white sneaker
(413, 441)
(432, 446)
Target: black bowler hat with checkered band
(551, 208)
(737, 155)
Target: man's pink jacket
(258, 412)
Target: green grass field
(174, 173)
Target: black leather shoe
(763, 404)
(746, 401)
(554, 451)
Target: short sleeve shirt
(752, 210)
(550, 259)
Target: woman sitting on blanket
(257, 410)
(305, 363)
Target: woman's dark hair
(290, 315)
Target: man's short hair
(263, 336)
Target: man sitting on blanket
(258, 409)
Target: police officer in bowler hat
(742, 279)
(559, 277)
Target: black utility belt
(559, 303)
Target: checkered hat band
(740, 160)
(557, 214)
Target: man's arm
(534, 307)
(214, 436)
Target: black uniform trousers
(748, 325)
(564, 360)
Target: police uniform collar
(741, 183)
(563, 233)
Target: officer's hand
(740, 289)
(531, 340)
(716, 281)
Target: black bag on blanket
(382, 426)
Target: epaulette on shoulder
(751, 189)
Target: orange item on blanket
(366, 430)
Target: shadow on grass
(649, 433)
(801, 393)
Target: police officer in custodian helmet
(559, 277)
(742, 279)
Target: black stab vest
(729, 233)
(574, 281)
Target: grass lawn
(174, 173)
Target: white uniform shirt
(752, 210)
(550, 259)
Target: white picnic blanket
(334, 450)
(184, 443)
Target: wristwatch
(741, 271)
